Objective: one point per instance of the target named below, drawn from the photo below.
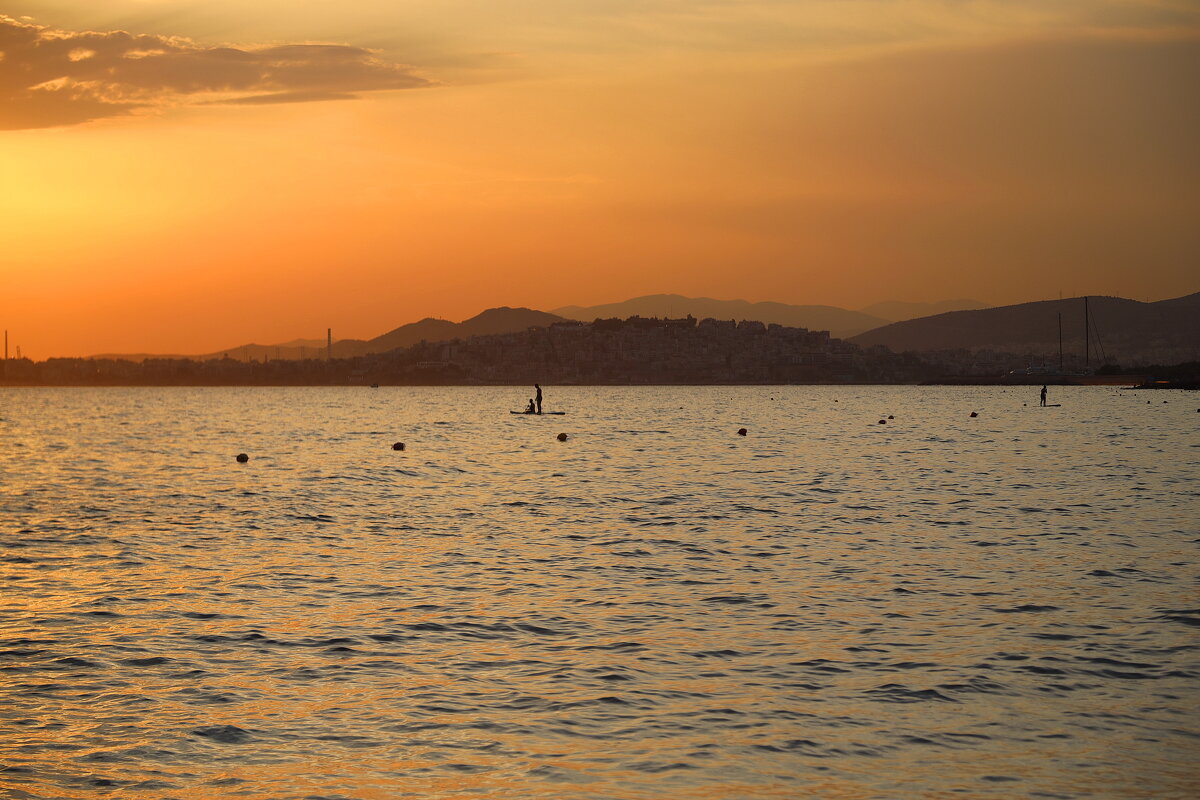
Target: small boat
(543, 414)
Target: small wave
(1028, 608)
(734, 599)
(74, 661)
(226, 734)
(897, 693)
(150, 661)
(1185, 616)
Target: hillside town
(635, 350)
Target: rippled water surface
(999, 606)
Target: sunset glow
(232, 172)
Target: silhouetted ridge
(838, 321)
(492, 321)
(897, 311)
(1127, 332)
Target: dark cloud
(52, 77)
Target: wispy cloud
(51, 77)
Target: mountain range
(894, 311)
(1123, 331)
(840, 322)
(493, 320)
(1126, 332)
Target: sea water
(940, 605)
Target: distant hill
(838, 321)
(1127, 332)
(138, 357)
(896, 311)
(295, 349)
(493, 320)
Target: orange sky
(231, 172)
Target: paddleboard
(543, 414)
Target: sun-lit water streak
(657, 607)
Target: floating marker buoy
(890, 416)
(973, 414)
(242, 458)
(883, 422)
(562, 437)
(741, 431)
(398, 446)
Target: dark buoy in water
(973, 414)
(883, 422)
(398, 446)
(562, 437)
(742, 431)
(242, 458)
(890, 416)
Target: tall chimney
(329, 344)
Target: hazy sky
(184, 176)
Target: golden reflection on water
(657, 608)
